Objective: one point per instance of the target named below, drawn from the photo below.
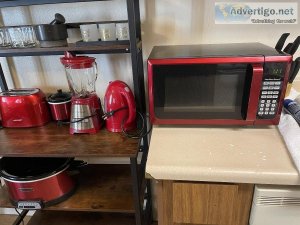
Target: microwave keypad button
(276, 87)
(263, 96)
(276, 92)
(272, 109)
(264, 92)
(269, 96)
(265, 87)
(263, 101)
(275, 96)
(262, 105)
(272, 113)
(268, 101)
(261, 109)
(271, 88)
(266, 82)
(270, 92)
(267, 109)
(266, 113)
(274, 101)
(271, 82)
(278, 83)
(260, 113)
(268, 105)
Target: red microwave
(223, 84)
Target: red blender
(86, 109)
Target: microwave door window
(213, 91)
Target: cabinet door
(203, 203)
(186, 203)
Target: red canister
(60, 105)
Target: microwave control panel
(271, 90)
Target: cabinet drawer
(204, 203)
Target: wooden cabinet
(182, 203)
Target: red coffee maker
(120, 100)
(86, 107)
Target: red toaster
(24, 108)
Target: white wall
(163, 22)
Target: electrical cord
(19, 215)
(138, 134)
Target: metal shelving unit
(124, 196)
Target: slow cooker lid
(28, 169)
(59, 96)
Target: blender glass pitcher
(81, 74)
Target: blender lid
(60, 96)
(77, 62)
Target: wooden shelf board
(52, 140)
(112, 47)
(80, 218)
(13, 3)
(101, 188)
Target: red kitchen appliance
(86, 107)
(34, 183)
(217, 84)
(24, 108)
(120, 100)
(60, 105)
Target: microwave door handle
(255, 91)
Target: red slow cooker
(35, 183)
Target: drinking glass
(22, 37)
(107, 31)
(122, 31)
(89, 32)
(5, 40)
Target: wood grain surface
(201, 203)
(101, 188)
(55, 141)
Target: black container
(52, 35)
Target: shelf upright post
(136, 190)
(133, 11)
(3, 84)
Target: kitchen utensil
(60, 105)
(54, 34)
(107, 31)
(89, 32)
(24, 108)
(281, 41)
(5, 40)
(36, 181)
(86, 107)
(119, 98)
(295, 46)
(122, 31)
(22, 37)
(294, 69)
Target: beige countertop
(221, 154)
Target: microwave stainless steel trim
(265, 85)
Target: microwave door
(202, 91)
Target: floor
(9, 220)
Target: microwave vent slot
(277, 201)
